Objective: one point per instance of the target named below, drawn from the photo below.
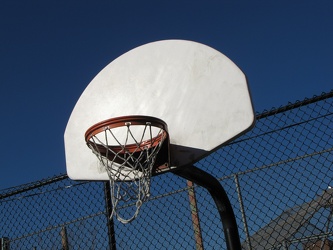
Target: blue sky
(51, 50)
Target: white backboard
(200, 93)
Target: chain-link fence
(277, 177)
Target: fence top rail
(33, 185)
(294, 105)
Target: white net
(128, 154)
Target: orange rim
(126, 121)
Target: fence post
(4, 243)
(241, 205)
(64, 238)
(195, 216)
(110, 223)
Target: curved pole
(220, 198)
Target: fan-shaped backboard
(200, 93)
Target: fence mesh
(277, 177)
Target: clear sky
(51, 49)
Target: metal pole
(4, 243)
(195, 216)
(110, 222)
(220, 198)
(64, 238)
(240, 199)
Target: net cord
(138, 166)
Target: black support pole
(220, 198)
(110, 223)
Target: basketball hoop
(128, 149)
